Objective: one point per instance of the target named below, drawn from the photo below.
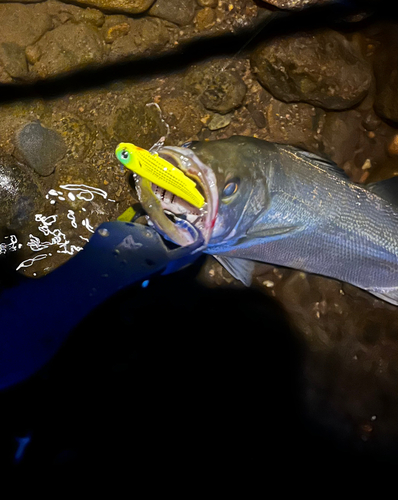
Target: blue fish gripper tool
(36, 315)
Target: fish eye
(124, 154)
(230, 188)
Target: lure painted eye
(229, 189)
(124, 154)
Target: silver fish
(281, 205)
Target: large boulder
(322, 68)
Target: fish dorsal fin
(324, 163)
(241, 269)
(387, 189)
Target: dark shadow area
(173, 380)
(9, 277)
(173, 376)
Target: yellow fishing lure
(159, 171)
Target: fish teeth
(194, 216)
(168, 197)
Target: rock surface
(66, 48)
(322, 68)
(143, 37)
(13, 61)
(296, 4)
(128, 6)
(205, 18)
(23, 24)
(40, 147)
(52, 38)
(19, 195)
(207, 3)
(219, 121)
(180, 12)
(293, 123)
(219, 88)
(386, 72)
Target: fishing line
(255, 34)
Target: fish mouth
(174, 218)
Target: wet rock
(296, 4)
(257, 115)
(17, 25)
(295, 124)
(219, 89)
(77, 133)
(323, 69)
(13, 60)
(61, 37)
(182, 115)
(180, 12)
(143, 37)
(139, 124)
(61, 13)
(40, 147)
(19, 194)
(219, 121)
(115, 27)
(361, 9)
(64, 49)
(207, 3)
(371, 122)
(341, 135)
(393, 146)
(359, 152)
(386, 72)
(128, 6)
(205, 18)
(116, 32)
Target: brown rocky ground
(41, 40)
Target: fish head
(228, 176)
(242, 190)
